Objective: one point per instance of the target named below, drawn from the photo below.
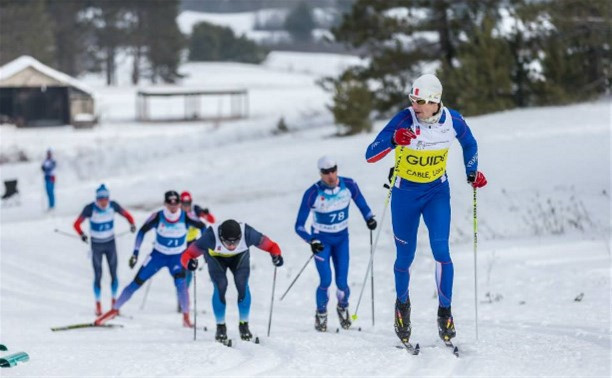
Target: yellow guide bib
(421, 166)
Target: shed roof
(10, 71)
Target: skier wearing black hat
(171, 225)
(227, 246)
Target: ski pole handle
(296, 277)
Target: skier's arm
(149, 224)
(204, 213)
(195, 222)
(359, 199)
(304, 211)
(86, 213)
(467, 141)
(261, 241)
(383, 144)
(201, 246)
(123, 212)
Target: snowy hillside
(544, 228)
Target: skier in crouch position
(329, 200)
(101, 214)
(227, 246)
(170, 225)
(421, 136)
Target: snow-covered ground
(544, 229)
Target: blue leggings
(110, 251)
(50, 189)
(336, 250)
(154, 262)
(407, 205)
(240, 267)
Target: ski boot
(446, 325)
(344, 317)
(113, 301)
(321, 321)
(245, 334)
(221, 334)
(402, 320)
(186, 321)
(98, 308)
(106, 317)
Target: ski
(348, 329)
(12, 359)
(412, 349)
(85, 325)
(226, 342)
(450, 344)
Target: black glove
(277, 260)
(205, 211)
(316, 246)
(192, 264)
(391, 171)
(132, 228)
(371, 223)
(133, 261)
(84, 238)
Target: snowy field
(544, 229)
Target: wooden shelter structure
(34, 94)
(197, 104)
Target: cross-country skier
(170, 225)
(329, 200)
(48, 168)
(226, 246)
(101, 214)
(193, 233)
(421, 136)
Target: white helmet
(427, 87)
(325, 162)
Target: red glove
(403, 136)
(477, 179)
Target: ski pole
(372, 279)
(195, 304)
(296, 277)
(382, 219)
(69, 234)
(475, 265)
(146, 294)
(272, 302)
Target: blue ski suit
(330, 208)
(421, 188)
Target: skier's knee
(138, 281)
(179, 275)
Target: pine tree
(164, 40)
(300, 23)
(25, 29)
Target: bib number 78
(337, 217)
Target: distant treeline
(77, 36)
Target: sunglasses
(419, 101)
(329, 170)
(186, 203)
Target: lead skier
(421, 136)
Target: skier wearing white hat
(421, 136)
(329, 201)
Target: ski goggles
(326, 171)
(230, 242)
(418, 100)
